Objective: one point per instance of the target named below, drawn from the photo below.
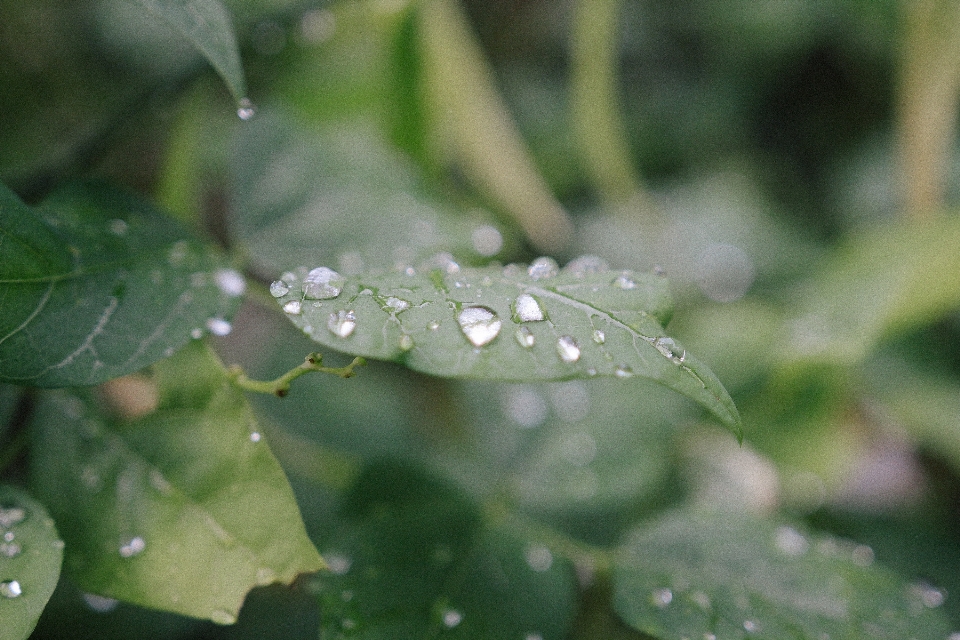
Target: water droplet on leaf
(525, 337)
(585, 265)
(668, 347)
(10, 589)
(293, 307)
(338, 564)
(219, 326)
(342, 323)
(625, 282)
(568, 349)
(433, 325)
(230, 281)
(322, 283)
(543, 268)
(196, 333)
(479, 324)
(255, 436)
(10, 549)
(749, 626)
(394, 305)
(406, 342)
(526, 308)
(451, 618)
(443, 262)
(623, 371)
(117, 227)
(487, 241)
(132, 547)
(12, 515)
(599, 336)
(662, 598)
(245, 109)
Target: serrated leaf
(30, 556)
(886, 280)
(206, 24)
(504, 324)
(96, 284)
(343, 196)
(733, 576)
(184, 509)
(413, 559)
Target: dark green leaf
(97, 284)
(206, 24)
(413, 560)
(733, 576)
(505, 323)
(341, 196)
(184, 509)
(30, 556)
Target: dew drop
(479, 324)
(433, 325)
(406, 342)
(342, 323)
(701, 599)
(219, 326)
(9, 536)
(661, 598)
(230, 281)
(623, 371)
(749, 626)
(10, 589)
(599, 336)
(132, 547)
(668, 347)
(255, 436)
(709, 636)
(487, 240)
(451, 618)
(395, 305)
(585, 265)
(293, 307)
(538, 558)
(543, 268)
(322, 283)
(10, 549)
(219, 616)
(527, 309)
(196, 333)
(245, 109)
(525, 337)
(625, 282)
(338, 564)
(100, 604)
(10, 516)
(568, 349)
(279, 288)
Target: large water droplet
(12, 515)
(451, 618)
(661, 598)
(132, 547)
(342, 323)
(668, 347)
(322, 283)
(525, 337)
(479, 324)
(568, 349)
(585, 265)
(487, 241)
(230, 281)
(526, 308)
(245, 109)
(293, 307)
(10, 589)
(542, 268)
(219, 326)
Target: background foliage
(790, 167)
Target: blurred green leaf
(97, 284)
(413, 559)
(733, 576)
(184, 509)
(30, 556)
(882, 281)
(206, 24)
(509, 324)
(341, 196)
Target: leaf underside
(576, 323)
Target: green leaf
(343, 196)
(206, 24)
(30, 556)
(509, 324)
(184, 509)
(880, 282)
(413, 559)
(96, 284)
(733, 576)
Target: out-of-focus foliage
(783, 172)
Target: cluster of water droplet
(10, 517)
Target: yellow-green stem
(280, 386)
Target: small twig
(280, 386)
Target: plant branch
(281, 386)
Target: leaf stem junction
(281, 386)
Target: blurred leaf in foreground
(97, 284)
(733, 576)
(184, 509)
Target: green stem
(281, 386)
